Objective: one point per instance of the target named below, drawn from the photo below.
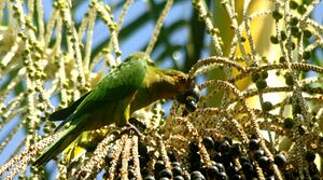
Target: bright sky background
(131, 45)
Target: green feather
(133, 85)
(64, 113)
(107, 103)
(67, 137)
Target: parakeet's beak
(190, 99)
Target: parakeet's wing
(63, 114)
(117, 85)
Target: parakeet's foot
(138, 124)
(127, 129)
(130, 126)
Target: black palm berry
(208, 142)
(187, 176)
(224, 146)
(283, 35)
(258, 153)
(217, 157)
(294, 21)
(212, 172)
(244, 159)
(195, 161)
(264, 162)
(217, 145)
(293, 4)
(203, 170)
(175, 163)
(172, 155)
(282, 59)
(222, 176)
(280, 160)
(231, 170)
(159, 165)
(261, 84)
(255, 77)
(236, 177)
(177, 171)
(312, 169)
(310, 156)
(274, 39)
(226, 159)
(267, 106)
(179, 178)
(253, 144)
(142, 148)
(316, 177)
(164, 178)
(193, 147)
(301, 9)
(145, 172)
(165, 173)
(144, 158)
(277, 15)
(235, 150)
(220, 167)
(288, 123)
(197, 175)
(289, 80)
(248, 169)
(301, 129)
(288, 175)
(264, 74)
(149, 177)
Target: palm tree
(258, 65)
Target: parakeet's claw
(140, 125)
(135, 129)
(128, 127)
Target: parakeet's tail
(67, 137)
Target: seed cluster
(228, 160)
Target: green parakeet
(134, 84)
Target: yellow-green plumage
(86, 142)
(133, 85)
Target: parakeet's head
(169, 83)
(177, 81)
